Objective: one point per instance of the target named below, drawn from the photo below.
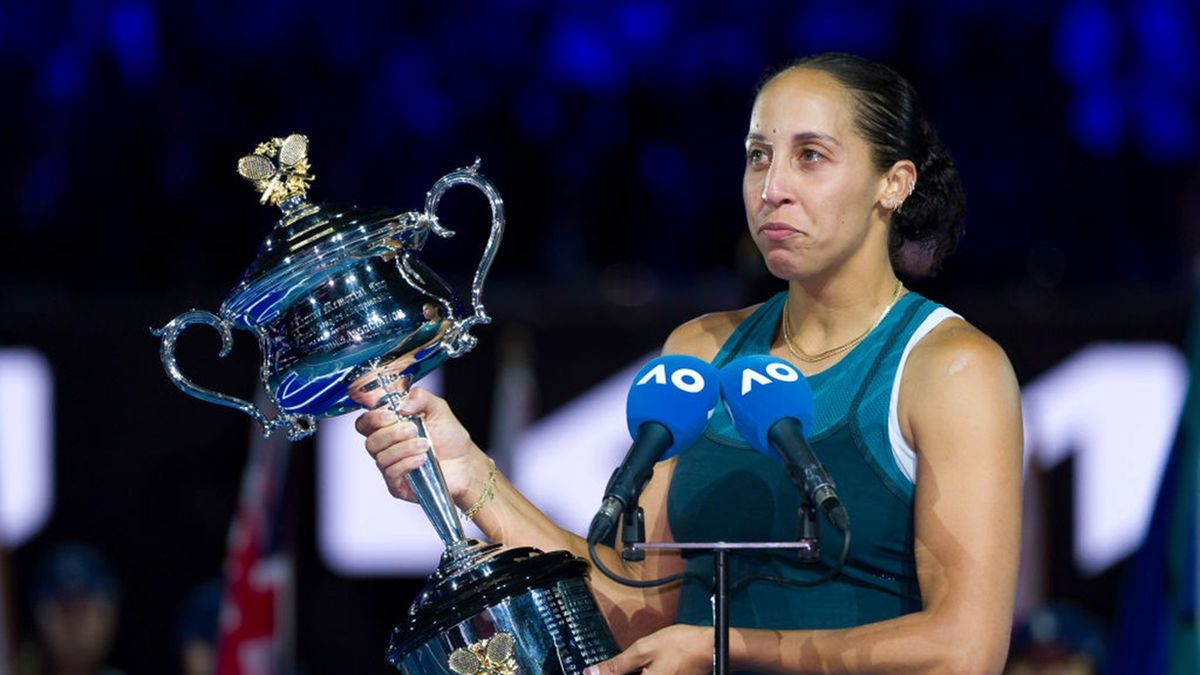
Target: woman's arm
(630, 612)
(960, 407)
(508, 517)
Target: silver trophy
(348, 316)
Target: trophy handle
(458, 340)
(297, 426)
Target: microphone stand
(721, 551)
(810, 532)
(633, 532)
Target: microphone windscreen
(759, 391)
(676, 391)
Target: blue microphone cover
(677, 391)
(759, 391)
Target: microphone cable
(634, 583)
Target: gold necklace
(813, 358)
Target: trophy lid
(310, 241)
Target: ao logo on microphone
(774, 371)
(760, 390)
(684, 379)
(676, 391)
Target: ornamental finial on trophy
(279, 169)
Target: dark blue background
(614, 132)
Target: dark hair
(73, 569)
(888, 114)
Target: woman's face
(809, 187)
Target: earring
(900, 203)
(894, 203)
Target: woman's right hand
(397, 450)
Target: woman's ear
(899, 183)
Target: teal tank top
(724, 490)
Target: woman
(918, 417)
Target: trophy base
(489, 609)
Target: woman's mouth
(776, 231)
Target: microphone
(771, 403)
(668, 407)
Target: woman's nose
(776, 188)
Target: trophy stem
(427, 481)
(429, 485)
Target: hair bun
(930, 223)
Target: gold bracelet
(489, 489)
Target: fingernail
(422, 443)
(591, 670)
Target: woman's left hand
(674, 649)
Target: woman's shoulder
(956, 353)
(954, 340)
(703, 336)
(957, 377)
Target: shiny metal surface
(296, 426)
(429, 485)
(541, 599)
(462, 341)
(345, 313)
(340, 298)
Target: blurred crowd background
(613, 131)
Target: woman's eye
(757, 157)
(810, 155)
